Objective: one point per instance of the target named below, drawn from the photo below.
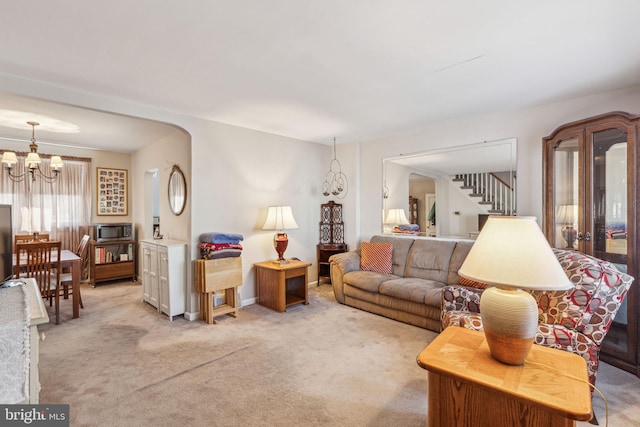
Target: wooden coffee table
(282, 285)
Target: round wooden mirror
(177, 190)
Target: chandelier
(335, 182)
(31, 162)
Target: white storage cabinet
(164, 275)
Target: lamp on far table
(566, 215)
(280, 218)
(396, 216)
(512, 256)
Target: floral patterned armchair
(574, 320)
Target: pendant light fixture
(335, 182)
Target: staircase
(492, 194)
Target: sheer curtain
(61, 208)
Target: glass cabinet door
(566, 194)
(608, 200)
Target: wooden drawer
(217, 274)
(114, 270)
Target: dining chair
(66, 278)
(41, 261)
(26, 238)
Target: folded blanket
(221, 238)
(222, 253)
(218, 246)
(409, 227)
(398, 230)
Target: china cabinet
(590, 199)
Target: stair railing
(493, 190)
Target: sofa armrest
(460, 306)
(341, 264)
(563, 338)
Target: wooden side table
(324, 251)
(467, 387)
(282, 285)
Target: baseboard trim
(191, 316)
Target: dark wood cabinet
(413, 210)
(331, 237)
(590, 204)
(324, 252)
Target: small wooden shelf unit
(324, 252)
(214, 275)
(107, 260)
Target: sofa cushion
(401, 246)
(376, 257)
(423, 291)
(457, 259)
(429, 259)
(367, 280)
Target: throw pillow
(463, 281)
(376, 257)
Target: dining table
(70, 259)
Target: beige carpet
(123, 364)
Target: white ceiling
(356, 69)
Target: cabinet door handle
(586, 236)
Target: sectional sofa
(411, 290)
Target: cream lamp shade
(512, 255)
(56, 162)
(9, 158)
(280, 218)
(566, 214)
(396, 216)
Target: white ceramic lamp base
(509, 320)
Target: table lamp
(280, 218)
(511, 255)
(567, 215)
(394, 217)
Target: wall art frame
(112, 189)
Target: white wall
(528, 126)
(162, 155)
(238, 173)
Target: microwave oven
(115, 231)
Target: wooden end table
(467, 387)
(282, 285)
